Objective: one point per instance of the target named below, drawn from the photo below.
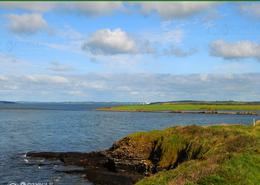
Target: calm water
(75, 127)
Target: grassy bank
(184, 107)
(195, 155)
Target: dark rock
(105, 177)
(99, 167)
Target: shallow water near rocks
(75, 127)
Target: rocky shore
(177, 155)
(98, 167)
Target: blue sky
(103, 51)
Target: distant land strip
(238, 108)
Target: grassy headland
(185, 107)
(196, 155)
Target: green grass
(240, 169)
(184, 107)
(195, 155)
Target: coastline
(143, 157)
(223, 108)
(184, 112)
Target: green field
(185, 107)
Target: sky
(119, 51)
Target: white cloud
(31, 6)
(235, 50)
(91, 8)
(83, 8)
(175, 10)
(110, 42)
(47, 79)
(252, 9)
(26, 23)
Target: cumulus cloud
(173, 10)
(110, 42)
(252, 9)
(179, 52)
(133, 87)
(26, 23)
(114, 42)
(83, 8)
(235, 50)
(30, 6)
(91, 8)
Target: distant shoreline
(189, 108)
(186, 112)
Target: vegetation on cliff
(223, 154)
